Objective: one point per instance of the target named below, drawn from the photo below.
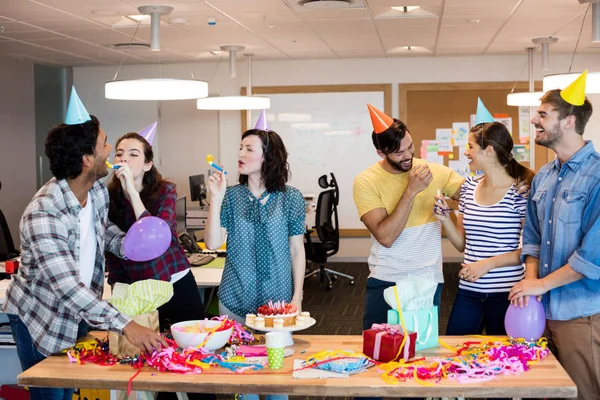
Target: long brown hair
(152, 182)
(497, 135)
(275, 170)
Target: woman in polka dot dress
(263, 221)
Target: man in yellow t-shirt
(395, 199)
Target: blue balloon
(148, 238)
(527, 322)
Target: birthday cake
(276, 315)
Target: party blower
(109, 165)
(210, 159)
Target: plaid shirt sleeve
(49, 246)
(114, 244)
(166, 207)
(113, 238)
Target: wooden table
(545, 379)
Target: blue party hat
(76, 112)
(262, 123)
(483, 115)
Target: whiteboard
(323, 133)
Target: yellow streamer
(405, 337)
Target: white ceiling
(82, 32)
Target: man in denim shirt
(561, 240)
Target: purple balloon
(527, 322)
(148, 238)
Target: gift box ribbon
(390, 330)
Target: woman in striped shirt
(490, 219)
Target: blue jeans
(29, 356)
(474, 311)
(375, 306)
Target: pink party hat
(149, 132)
(262, 123)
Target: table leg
(182, 396)
(145, 395)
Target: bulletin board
(425, 107)
(326, 129)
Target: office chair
(7, 246)
(326, 224)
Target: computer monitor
(180, 215)
(197, 188)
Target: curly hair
(152, 182)
(275, 170)
(495, 134)
(67, 144)
(389, 140)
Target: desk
(545, 379)
(207, 277)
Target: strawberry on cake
(278, 310)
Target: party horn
(210, 160)
(109, 165)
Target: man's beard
(553, 136)
(398, 165)
(99, 172)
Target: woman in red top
(138, 190)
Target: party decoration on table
(528, 322)
(262, 124)
(141, 297)
(109, 165)
(415, 293)
(379, 119)
(574, 94)
(341, 361)
(76, 112)
(482, 115)
(149, 132)
(148, 238)
(474, 361)
(385, 342)
(210, 159)
(92, 351)
(140, 301)
(169, 359)
(208, 334)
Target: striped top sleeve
(490, 231)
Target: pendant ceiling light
(529, 98)
(154, 88)
(560, 81)
(248, 102)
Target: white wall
(187, 135)
(17, 140)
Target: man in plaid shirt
(64, 234)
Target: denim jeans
(29, 356)
(474, 311)
(375, 306)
